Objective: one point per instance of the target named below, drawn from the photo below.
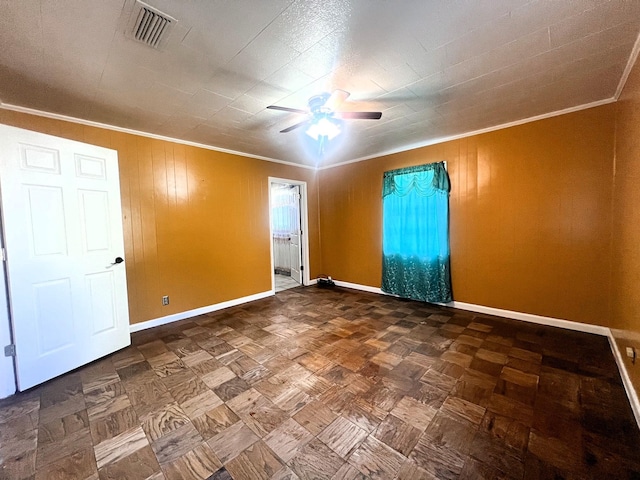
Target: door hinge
(301, 268)
(10, 351)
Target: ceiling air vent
(151, 26)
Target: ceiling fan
(322, 109)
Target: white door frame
(304, 226)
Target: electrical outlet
(165, 300)
(631, 353)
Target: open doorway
(288, 220)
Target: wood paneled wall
(196, 221)
(625, 294)
(530, 216)
(540, 223)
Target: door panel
(101, 293)
(294, 246)
(296, 258)
(90, 167)
(46, 220)
(94, 219)
(68, 302)
(57, 293)
(39, 159)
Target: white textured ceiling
(434, 68)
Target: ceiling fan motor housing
(317, 102)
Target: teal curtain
(415, 233)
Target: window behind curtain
(285, 210)
(415, 233)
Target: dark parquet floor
(331, 384)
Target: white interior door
(295, 248)
(63, 230)
(296, 257)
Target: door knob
(118, 260)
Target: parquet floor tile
(331, 384)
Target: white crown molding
(89, 123)
(406, 148)
(627, 69)
(436, 141)
(632, 395)
(136, 327)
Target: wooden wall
(625, 294)
(196, 221)
(530, 216)
(540, 222)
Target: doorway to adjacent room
(289, 245)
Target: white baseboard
(356, 286)
(529, 317)
(632, 395)
(156, 322)
(526, 317)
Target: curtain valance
(424, 179)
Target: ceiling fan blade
(359, 115)
(287, 109)
(293, 127)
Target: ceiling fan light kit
(324, 127)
